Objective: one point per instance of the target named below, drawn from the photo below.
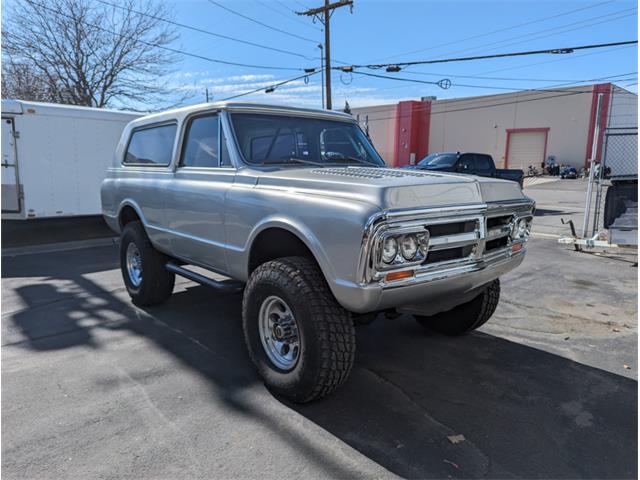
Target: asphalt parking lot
(95, 387)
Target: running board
(230, 286)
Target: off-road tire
(466, 317)
(327, 334)
(157, 282)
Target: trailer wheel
(143, 267)
(300, 339)
(466, 317)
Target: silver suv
(296, 208)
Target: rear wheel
(143, 267)
(466, 317)
(300, 339)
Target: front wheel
(466, 317)
(300, 339)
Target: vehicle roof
(180, 113)
(459, 153)
(19, 107)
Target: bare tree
(89, 52)
(20, 80)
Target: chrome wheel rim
(279, 333)
(134, 265)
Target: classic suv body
(211, 217)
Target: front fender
(300, 230)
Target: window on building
(151, 146)
(201, 142)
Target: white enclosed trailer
(54, 157)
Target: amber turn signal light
(390, 277)
(516, 247)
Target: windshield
(278, 139)
(438, 160)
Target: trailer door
(10, 186)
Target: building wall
(380, 121)
(624, 109)
(480, 123)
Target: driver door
(196, 200)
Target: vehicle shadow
(522, 412)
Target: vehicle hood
(391, 188)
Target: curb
(58, 247)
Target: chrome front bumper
(443, 288)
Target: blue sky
(397, 30)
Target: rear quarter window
(151, 146)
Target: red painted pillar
(412, 130)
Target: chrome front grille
(458, 236)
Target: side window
(483, 163)
(200, 146)
(152, 146)
(465, 164)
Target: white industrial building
(518, 129)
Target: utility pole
(323, 14)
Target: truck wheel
(466, 317)
(143, 267)
(300, 339)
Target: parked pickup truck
(297, 209)
(471, 163)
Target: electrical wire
(492, 87)
(564, 50)
(262, 23)
(272, 86)
(288, 17)
(169, 49)
(202, 30)
(500, 30)
(557, 31)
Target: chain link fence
(619, 164)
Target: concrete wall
(624, 109)
(480, 124)
(381, 121)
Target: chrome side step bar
(230, 286)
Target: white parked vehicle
(54, 157)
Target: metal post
(327, 51)
(594, 151)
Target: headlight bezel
(421, 235)
(521, 228)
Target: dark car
(568, 172)
(471, 163)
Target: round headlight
(389, 250)
(522, 228)
(409, 246)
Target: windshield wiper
(346, 158)
(290, 160)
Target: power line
(288, 17)
(552, 29)
(564, 50)
(573, 57)
(170, 49)
(306, 39)
(505, 29)
(206, 32)
(492, 87)
(272, 87)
